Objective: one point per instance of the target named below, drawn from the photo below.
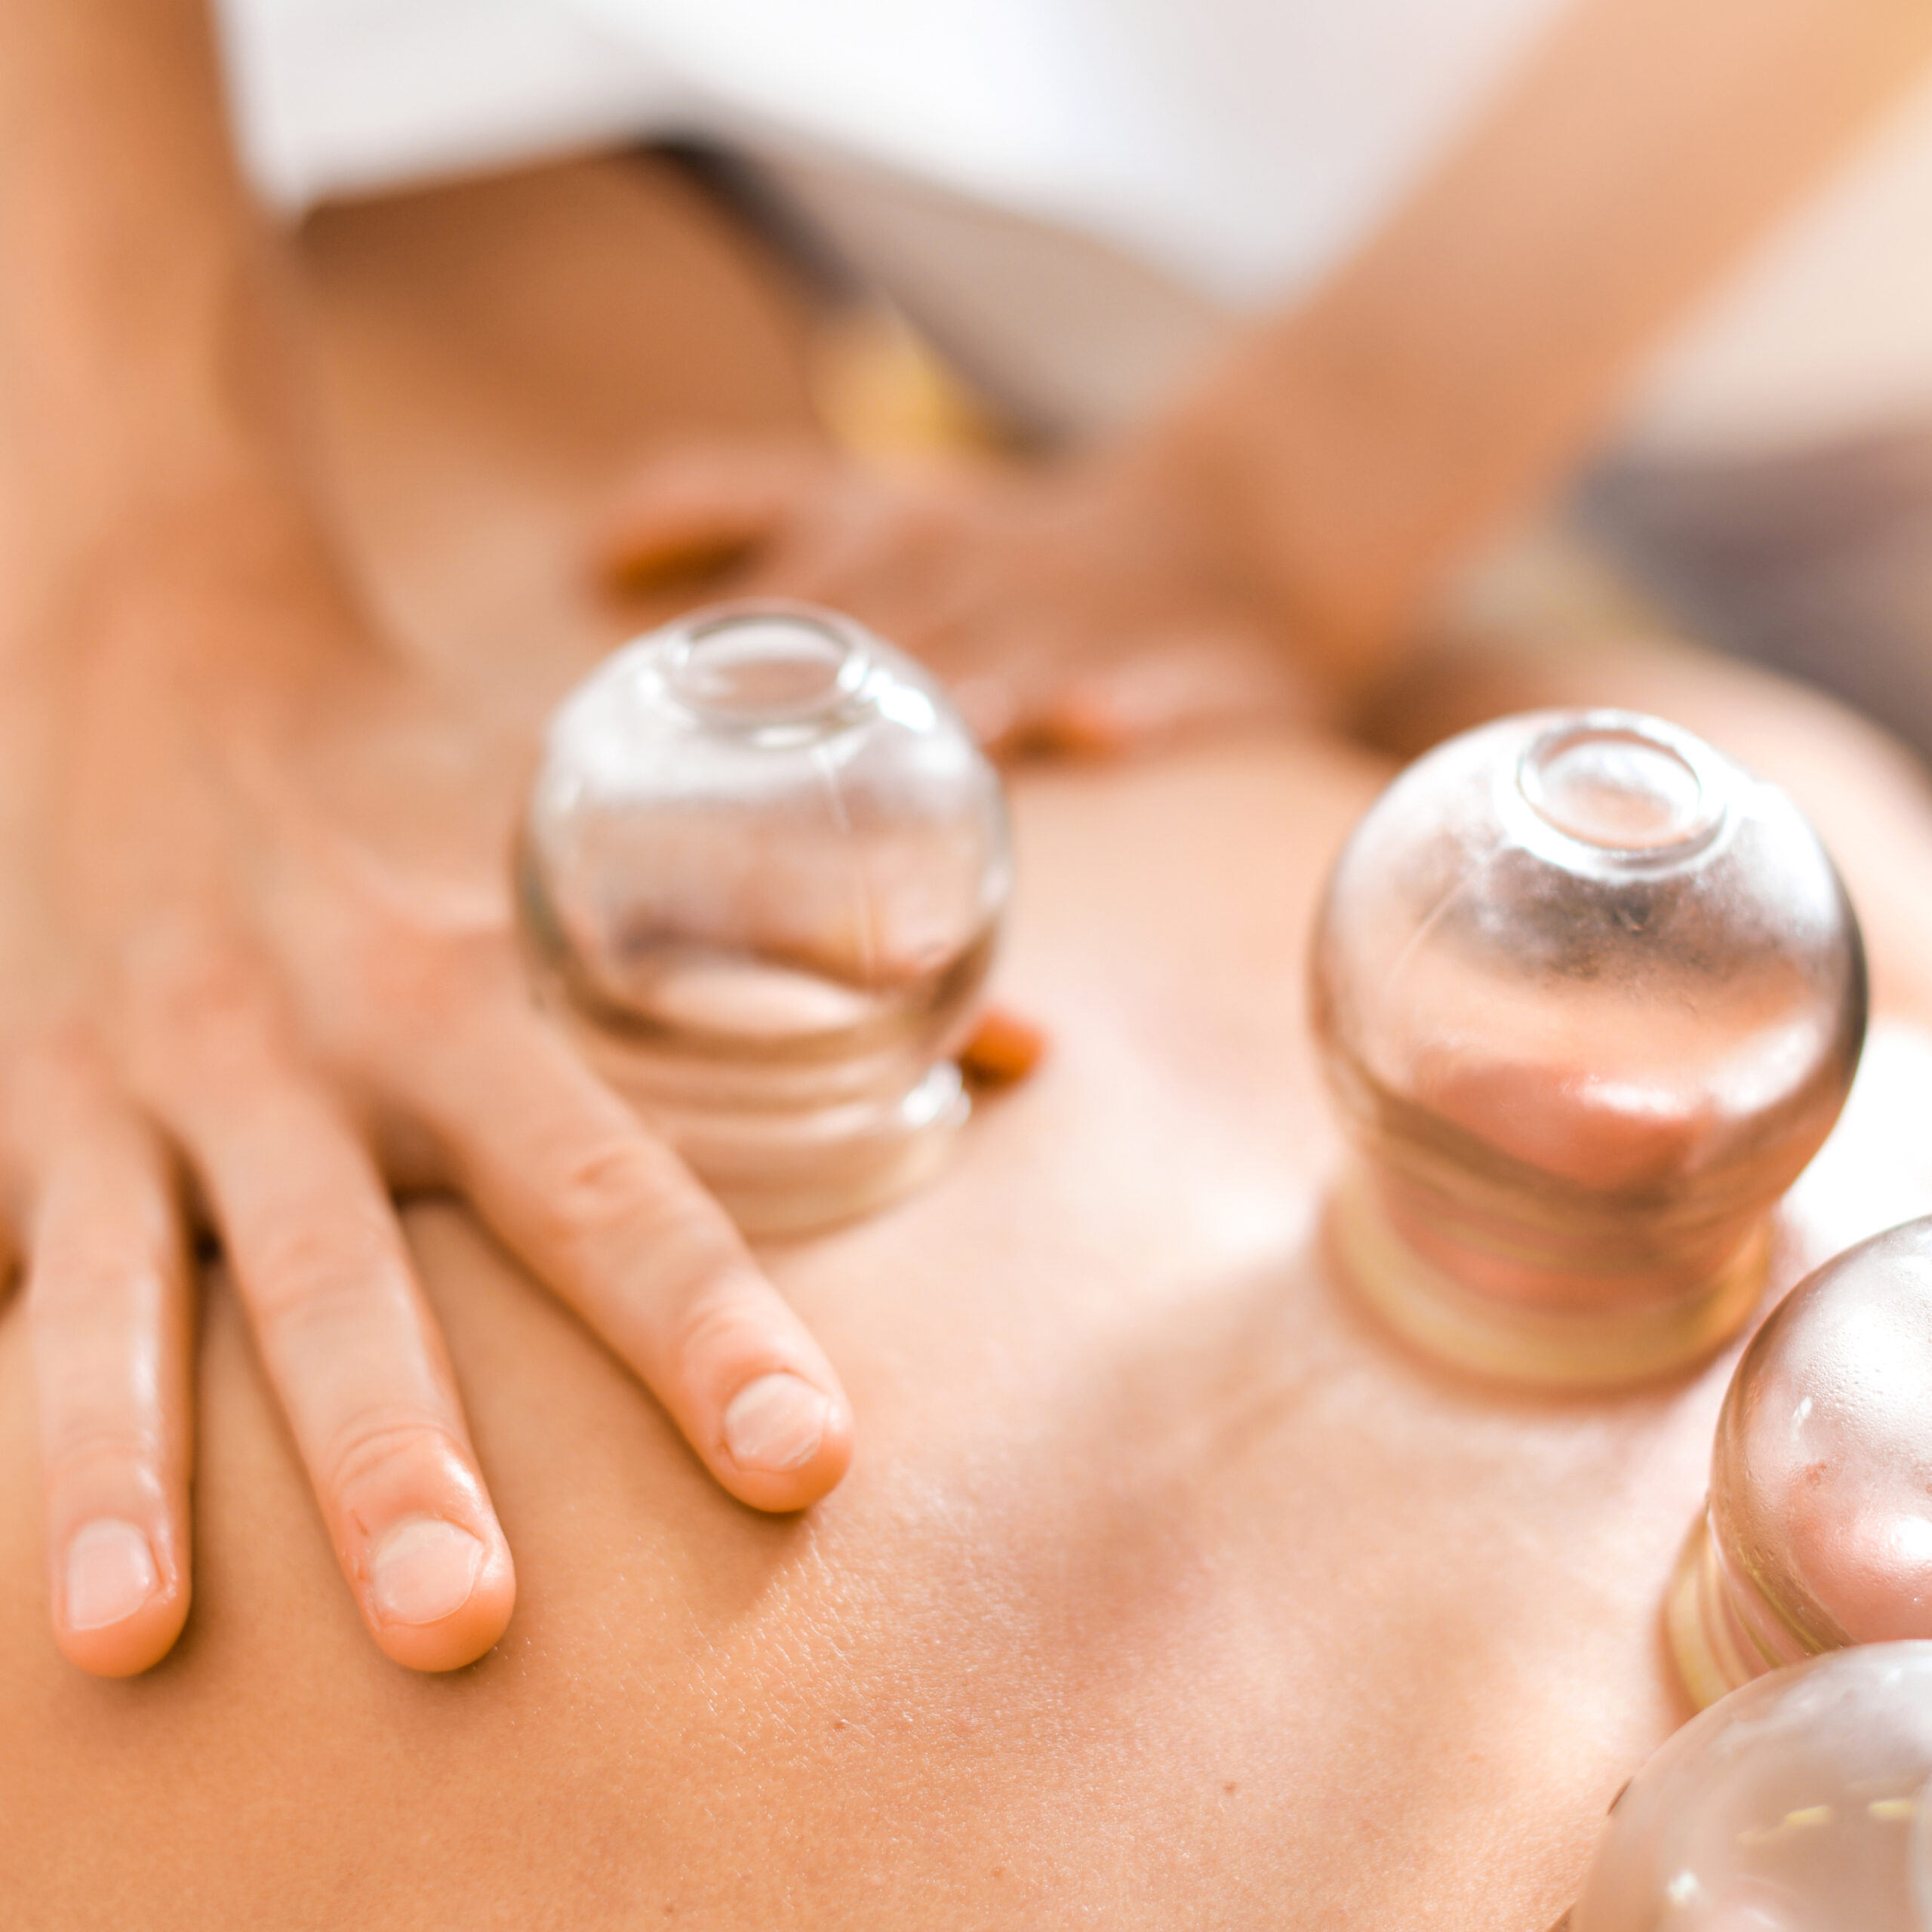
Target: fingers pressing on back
(109, 1314)
(612, 1220)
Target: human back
(1166, 1587)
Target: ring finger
(354, 1354)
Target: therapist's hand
(1095, 607)
(255, 971)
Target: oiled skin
(1166, 1588)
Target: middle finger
(353, 1353)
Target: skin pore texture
(1165, 1588)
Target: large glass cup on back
(760, 879)
(1589, 997)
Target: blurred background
(1027, 225)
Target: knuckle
(591, 1192)
(416, 980)
(81, 1447)
(203, 979)
(406, 979)
(591, 1188)
(721, 1321)
(304, 1275)
(91, 1291)
(199, 992)
(383, 1447)
(56, 1073)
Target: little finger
(109, 1314)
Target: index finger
(610, 1217)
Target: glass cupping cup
(1800, 1804)
(760, 878)
(1818, 1533)
(1589, 997)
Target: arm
(1317, 484)
(1457, 366)
(255, 963)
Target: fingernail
(423, 1571)
(110, 1573)
(776, 1422)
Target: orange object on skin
(1003, 1051)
